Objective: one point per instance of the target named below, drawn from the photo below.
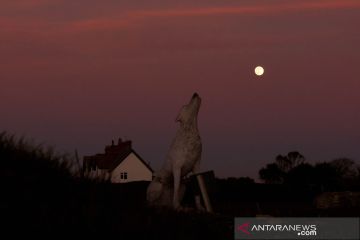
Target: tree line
(337, 175)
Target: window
(123, 175)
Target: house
(120, 163)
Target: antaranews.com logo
(299, 230)
(296, 228)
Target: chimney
(127, 144)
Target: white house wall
(135, 169)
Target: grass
(41, 193)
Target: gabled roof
(113, 157)
(141, 159)
(111, 162)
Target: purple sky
(76, 74)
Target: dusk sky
(77, 74)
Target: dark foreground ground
(41, 195)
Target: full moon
(259, 70)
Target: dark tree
(291, 160)
(276, 172)
(271, 174)
(344, 167)
(303, 174)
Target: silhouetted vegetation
(337, 175)
(42, 193)
(327, 188)
(276, 172)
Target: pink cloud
(257, 10)
(99, 24)
(134, 17)
(8, 24)
(27, 3)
